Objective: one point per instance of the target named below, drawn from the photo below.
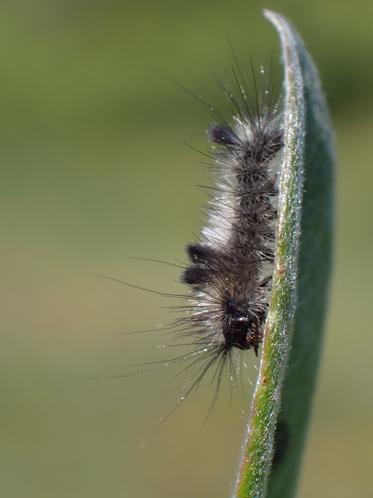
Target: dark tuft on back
(223, 135)
(198, 253)
(195, 275)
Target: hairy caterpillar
(231, 265)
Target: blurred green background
(93, 172)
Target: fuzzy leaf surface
(293, 332)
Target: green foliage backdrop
(94, 171)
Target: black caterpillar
(232, 264)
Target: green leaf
(293, 331)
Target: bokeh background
(94, 172)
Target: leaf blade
(303, 102)
(315, 261)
